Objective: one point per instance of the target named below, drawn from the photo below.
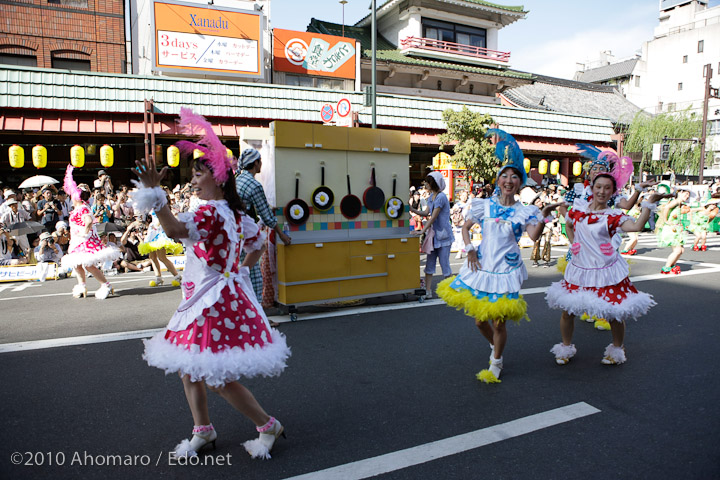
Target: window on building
(315, 82)
(713, 127)
(70, 3)
(680, 86)
(685, 58)
(637, 80)
(71, 64)
(701, 46)
(23, 60)
(451, 32)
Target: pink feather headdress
(69, 184)
(215, 154)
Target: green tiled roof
(386, 51)
(60, 90)
(509, 9)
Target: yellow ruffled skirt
(482, 309)
(171, 248)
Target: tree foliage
(466, 132)
(645, 130)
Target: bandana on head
(248, 157)
(438, 177)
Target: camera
(50, 241)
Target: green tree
(646, 130)
(466, 132)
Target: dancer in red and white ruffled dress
(596, 279)
(219, 333)
(85, 251)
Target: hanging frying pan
(322, 196)
(394, 207)
(373, 198)
(350, 205)
(296, 211)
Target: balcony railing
(455, 48)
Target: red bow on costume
(613, 221)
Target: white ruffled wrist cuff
(639, 188)
(650, 206)
(144, 200)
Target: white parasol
(37, 181)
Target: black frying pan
(394, 207)
(373, 198)
(322, 197)
(296, 211)
(350, 205)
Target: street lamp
(343, 2)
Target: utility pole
(709, 93)
(374, 64)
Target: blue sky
(554, 36)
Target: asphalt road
(387, 390)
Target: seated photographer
(47, 251)
(7, 242)
(63, 235)
(132, 260)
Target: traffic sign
(344, 107)
(327, 112)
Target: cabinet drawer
(367, 247)
(313, 261)
(362, 286)
(395, 141)
(332, 138)
(293, 134)
(367, 265)
(288, 295)
(399, 245)
(364, 140)
(403, 271)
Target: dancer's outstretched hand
(146, 170)
(472, 260)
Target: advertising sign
(193, 38)
(313, 54)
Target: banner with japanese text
(196, 38)
(313, 54)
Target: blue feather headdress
(596, 156)
(508, 152)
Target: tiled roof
(386, 51)
(608, 72)
(508, 9)
(579, 98)
(48, 89)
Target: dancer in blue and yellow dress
(157, 245)
(488, 285)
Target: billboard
(313, 54)
(194, 39)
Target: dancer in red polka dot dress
(219, 333)
(596, 279)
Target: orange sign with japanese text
(190, 37)
(313, 54)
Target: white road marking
(69, 293)
(394, 461)
(70, 341)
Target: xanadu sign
(313, 54)
(199, 39)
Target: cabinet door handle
(368, 242)
(391, 256)
(308, 145)
(403, 240)
(377, 149)
(318, 245)
(368, 258)
(385, 149)
(318, 145)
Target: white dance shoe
(269, 433)
(79, 291)
(104, 291)
(563, 353)
(202, 435)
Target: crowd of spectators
(48, 208)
